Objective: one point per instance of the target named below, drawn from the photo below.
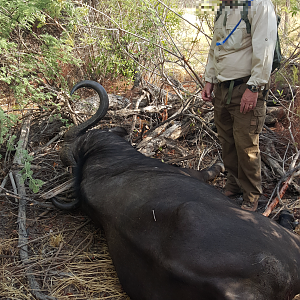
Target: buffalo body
(174, 237)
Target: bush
(117, 36)
(33, 48)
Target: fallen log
(158, 138)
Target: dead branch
(287, 179)
(148, 109)
(271, 157)
(277, 199)
(34, 286)
(171, 144)
(272, 163)
(265, 171)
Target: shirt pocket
(236, 39)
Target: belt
(230, 84)
(236, 82)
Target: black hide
(173, 237)
(286, 219)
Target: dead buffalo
(170, 235)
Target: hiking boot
(249, 206)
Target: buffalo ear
(120, 131)
(286, 219)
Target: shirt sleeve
(210, 73)
(264, 35)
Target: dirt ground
(68, 256)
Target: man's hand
(207, 91)
(248, 101)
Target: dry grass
(72, 264)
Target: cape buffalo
(170, 235)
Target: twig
(273, 163)
(54, 233)
(72, 113)
(58, 136)
(91, 236)
(55, 256)
(175, 160)
(13, 183)
(134, 117)
(59, 189)
(204, 123)
(4, 181)
(16, 196)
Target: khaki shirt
(244, 54)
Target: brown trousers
(239, 136)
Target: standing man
(238, 70)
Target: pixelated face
(208, 6)
(229, 2)
(212, 6)
(236, 2)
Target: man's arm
(264, 35)
(210, 76)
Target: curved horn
(66, 153)
(100, 113)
